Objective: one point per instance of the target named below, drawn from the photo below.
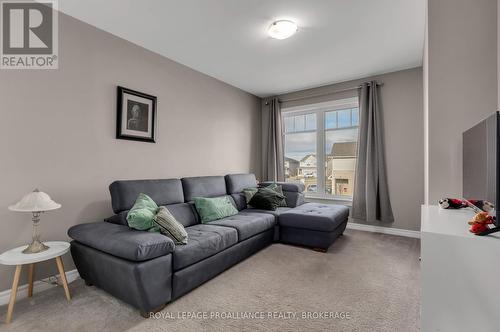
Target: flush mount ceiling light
(282, 29)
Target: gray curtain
(371, 193)
(274, 159)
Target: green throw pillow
(249, 192)
(266, 199)
(279, 190)
(211, 209)
(142, 213)
(169, 226)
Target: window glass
(340, 158)
(300, 123)
(288, 124)
(331, 120)
(310, 121)
(355, 117)
(339, 150)
(300, 159)
(344, 118)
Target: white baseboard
(384, 230)
(38, 286)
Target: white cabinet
(460, 274)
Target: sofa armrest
(122, 241)
(296, 187)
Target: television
(481, 164)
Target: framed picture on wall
(136, 115)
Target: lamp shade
(35, 201)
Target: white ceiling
(338, 40)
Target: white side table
(16, 257)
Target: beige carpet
(372, 278)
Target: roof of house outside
(344, 149)
(307, 156)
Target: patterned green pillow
(211, 209)
(279, 190)
(142, 213)
(169, 226)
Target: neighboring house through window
(321, 143)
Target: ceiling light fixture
(282, 29)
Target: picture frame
(135, 115)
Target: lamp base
(35, 247)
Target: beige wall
(402, 105)
(462, 84)
(57, 131)
(425, 84)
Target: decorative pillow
(249, 192)
(266, 199)
(142, 213)
(169, 226)
(211, 209)
(279, 190)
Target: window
(300, 150)
(321, 147)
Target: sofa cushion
(239, 201)
(203, 186)
(294, 199)
(205, 240)
(235, 183)
(122, 241)
(287, 186)
(185, 213)
(163, 192)
(247, 224)
(315, 216)
(276, 213)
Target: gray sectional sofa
(147, 270)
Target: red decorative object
(457, 203)
(479, 223)
(452, 203)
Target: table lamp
(35, 202)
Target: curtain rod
(322, 94)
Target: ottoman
(313, 225)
